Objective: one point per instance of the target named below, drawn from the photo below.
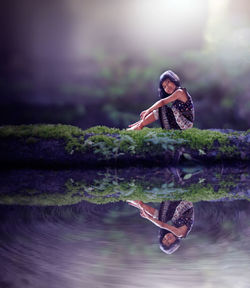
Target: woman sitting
(180, 213)
(180, 115)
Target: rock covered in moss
(69, 145)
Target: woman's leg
(149, 119)
(140, 205)
(140, 124)
(150, 210)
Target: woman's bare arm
(179, 232)
(166, 226)
(178, 94)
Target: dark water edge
(65, 187)
(90, 245)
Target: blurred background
(98, 62)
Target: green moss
(198, 139)
(235, 133)
(117, 142)
(96, 139)
(101, 144)
(228, 184)
(107, 190)
(40, 130)
(68, 133)
(200, 192)
(102, 130)
(194, 138)
(109, 187)
(246, 132)
(229, 150)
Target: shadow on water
(73, 228)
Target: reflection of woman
(181, 214)
(180, 115)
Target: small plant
(165, 142)
(111, 147)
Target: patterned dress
(180, 115)
(180, 213)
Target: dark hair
(165, 214)
(172, 248)
(169, 74)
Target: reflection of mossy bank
(38, 199)
(38, 187)
(110, 190)
(69, 145)
(101, 194)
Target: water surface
(86, 244)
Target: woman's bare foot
(133, 128)
(136, 203)
(137, 126)
(134, 123)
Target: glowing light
(165, 20)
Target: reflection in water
(43, 244)
(89, 245)
(181, 215)
(66, 187)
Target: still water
(70, 242)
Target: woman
(181, 213)
(181, 113)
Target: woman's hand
(144, 214)
(144, 114)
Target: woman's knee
(156, 114)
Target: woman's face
(168, 239)
(168, 86)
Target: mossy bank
(48, 144)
